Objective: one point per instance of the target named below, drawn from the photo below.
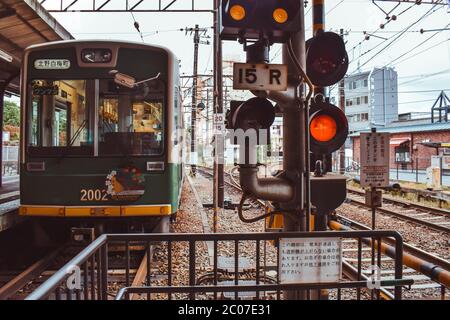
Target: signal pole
(342, 106)
(320, 219)
(218, 187)
(295, 145)
(318, 13)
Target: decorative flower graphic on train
(125, 184)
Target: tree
(11, 114)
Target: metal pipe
(271, 189)
(431, 270)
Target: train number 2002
(93, 195)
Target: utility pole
(207, 117)
(342, 106)
(219, 143)
(194, 99)
(196, 31)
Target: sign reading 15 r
(248, 76)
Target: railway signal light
(328, 129)
(275, 20)
(256, 114)
(326, 59)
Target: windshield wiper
(77, 133)
(73, 139)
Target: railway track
(21, 282)
(424, 286)
(434, 218)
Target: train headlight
(99, 55)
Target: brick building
(406, 150)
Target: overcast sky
(418, 70)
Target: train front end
(99, 137)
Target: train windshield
(95, 118)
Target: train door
(61, 126)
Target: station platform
(9, 202)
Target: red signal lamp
(328, 128)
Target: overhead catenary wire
(384, 48)
(423, 51)
(397, 36)
(378, 30)
(418, 45)
(136, 26)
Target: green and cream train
(102, 135)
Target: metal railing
(96, 284)
(10, 160)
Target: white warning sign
(308, 260)
(374, 159)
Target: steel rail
(432, 258)
(406, 203)
(430, 261)
(140, 275)
(352, 273)
(55, 280)
(32, 272)
(348, 269)
(405, 217)
(434, 272)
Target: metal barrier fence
(10, 160)
(96, 284)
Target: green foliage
(11, 114)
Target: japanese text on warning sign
(374, 159)
(307, 260)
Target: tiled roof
(439, 126)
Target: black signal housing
(326, 59)
(259, 21)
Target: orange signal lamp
(323, 128)
(237, 12)
(280, 15)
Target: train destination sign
(308, 260)
(262, 76)
(374, 159)
(52, 64)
